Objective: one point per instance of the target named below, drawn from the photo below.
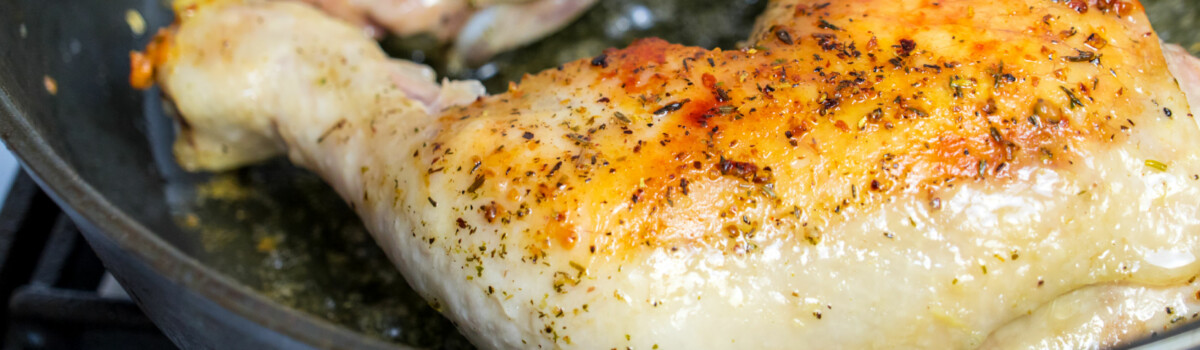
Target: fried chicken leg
(867, 174)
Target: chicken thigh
(479, 28)
(865, 174)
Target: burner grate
(59, 295)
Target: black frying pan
(190, 251)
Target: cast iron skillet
(100, 149)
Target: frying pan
(189, 250)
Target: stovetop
(58, 294)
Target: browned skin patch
(143, 64)
(679, 147)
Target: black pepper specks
(670, 107)
(996, 134)
(600, 61)
(527, 135)
(905, 48)
(783, 36)
(823, 24)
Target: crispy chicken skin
(870, 173)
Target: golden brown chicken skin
(834, 111)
